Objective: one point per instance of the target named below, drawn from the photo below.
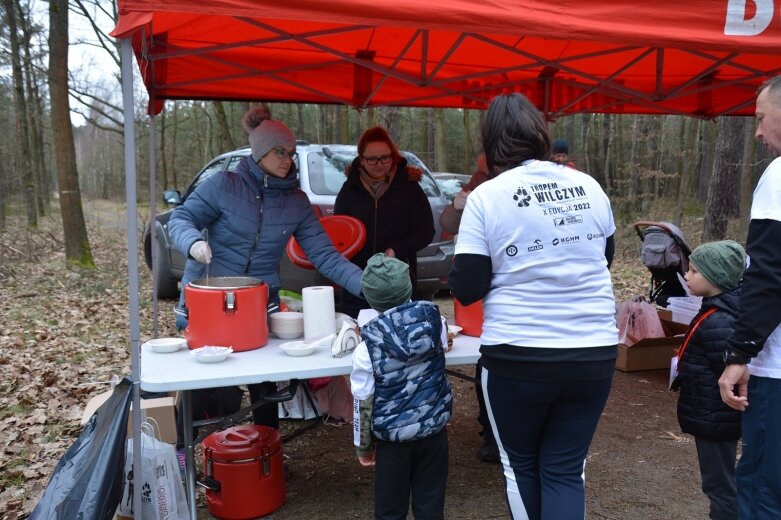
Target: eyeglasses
(283, 154)
(383, 159)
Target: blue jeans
(759, 468)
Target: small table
(179, 371)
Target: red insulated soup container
(228, 311)
(245, 475)
(469, 317)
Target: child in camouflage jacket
(403, 399)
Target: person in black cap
(560, 153)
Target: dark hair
(378, 134)
(514, 131)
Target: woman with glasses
(239, 222)
(382, 191)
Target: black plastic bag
(87, 481)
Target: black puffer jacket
(701, 412)
(401, 219)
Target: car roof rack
(302, 142)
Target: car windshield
(327, 167)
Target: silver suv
(321, 175)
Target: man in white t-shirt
(754, 351)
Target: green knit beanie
(722, 263)
(386, 283)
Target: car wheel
(167, 284)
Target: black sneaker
(489, 453)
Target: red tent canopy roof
(697, 58)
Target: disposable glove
(459, 202)
(201, 252)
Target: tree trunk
(746, 179)
(707, 139)
(34, 117)
(77, 249)
(223, 129)
(680, 185)
(163, 148)
(440, 153)
(584, 159)
(608, 130)
(344, 128)
(175, 180)
(20, 106)
(723, 198)
(393, 123)
(300, 120)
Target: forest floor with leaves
(64, 333)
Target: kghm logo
(536, 247)
(511, 250)
(566, 240)
(522, 197)
(591, 236)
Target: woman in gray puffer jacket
(239, 223)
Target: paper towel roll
(319, 312)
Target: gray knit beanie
(386, 283)
(268, 135)
(722, 263)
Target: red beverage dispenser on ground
(469, 317)
(227, 311)
(245, 476)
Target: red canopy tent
(700, 58)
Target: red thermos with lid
(227, 311)
(245, 477)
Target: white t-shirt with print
(544, 227)
(767, 205)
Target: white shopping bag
(162, 492)
(298, 407)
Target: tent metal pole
(132, 255)
(153, 216)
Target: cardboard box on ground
(161, 409)
(652, 353)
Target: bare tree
(20, 105)
(723, 195)
(440, 152)
(223, 128)
(77, 249)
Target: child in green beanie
(402, 395)
(715, 271)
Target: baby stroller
(665, 253)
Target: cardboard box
(652, 353)
(162, 410)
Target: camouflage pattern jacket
(412, 396)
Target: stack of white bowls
(287, 325)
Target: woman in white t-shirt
(535, 243)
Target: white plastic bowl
(289, 335)
(297, 348)
(287, 325)
(211, 354)
(166, 345)
(454, 329)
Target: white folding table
(179, 371)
